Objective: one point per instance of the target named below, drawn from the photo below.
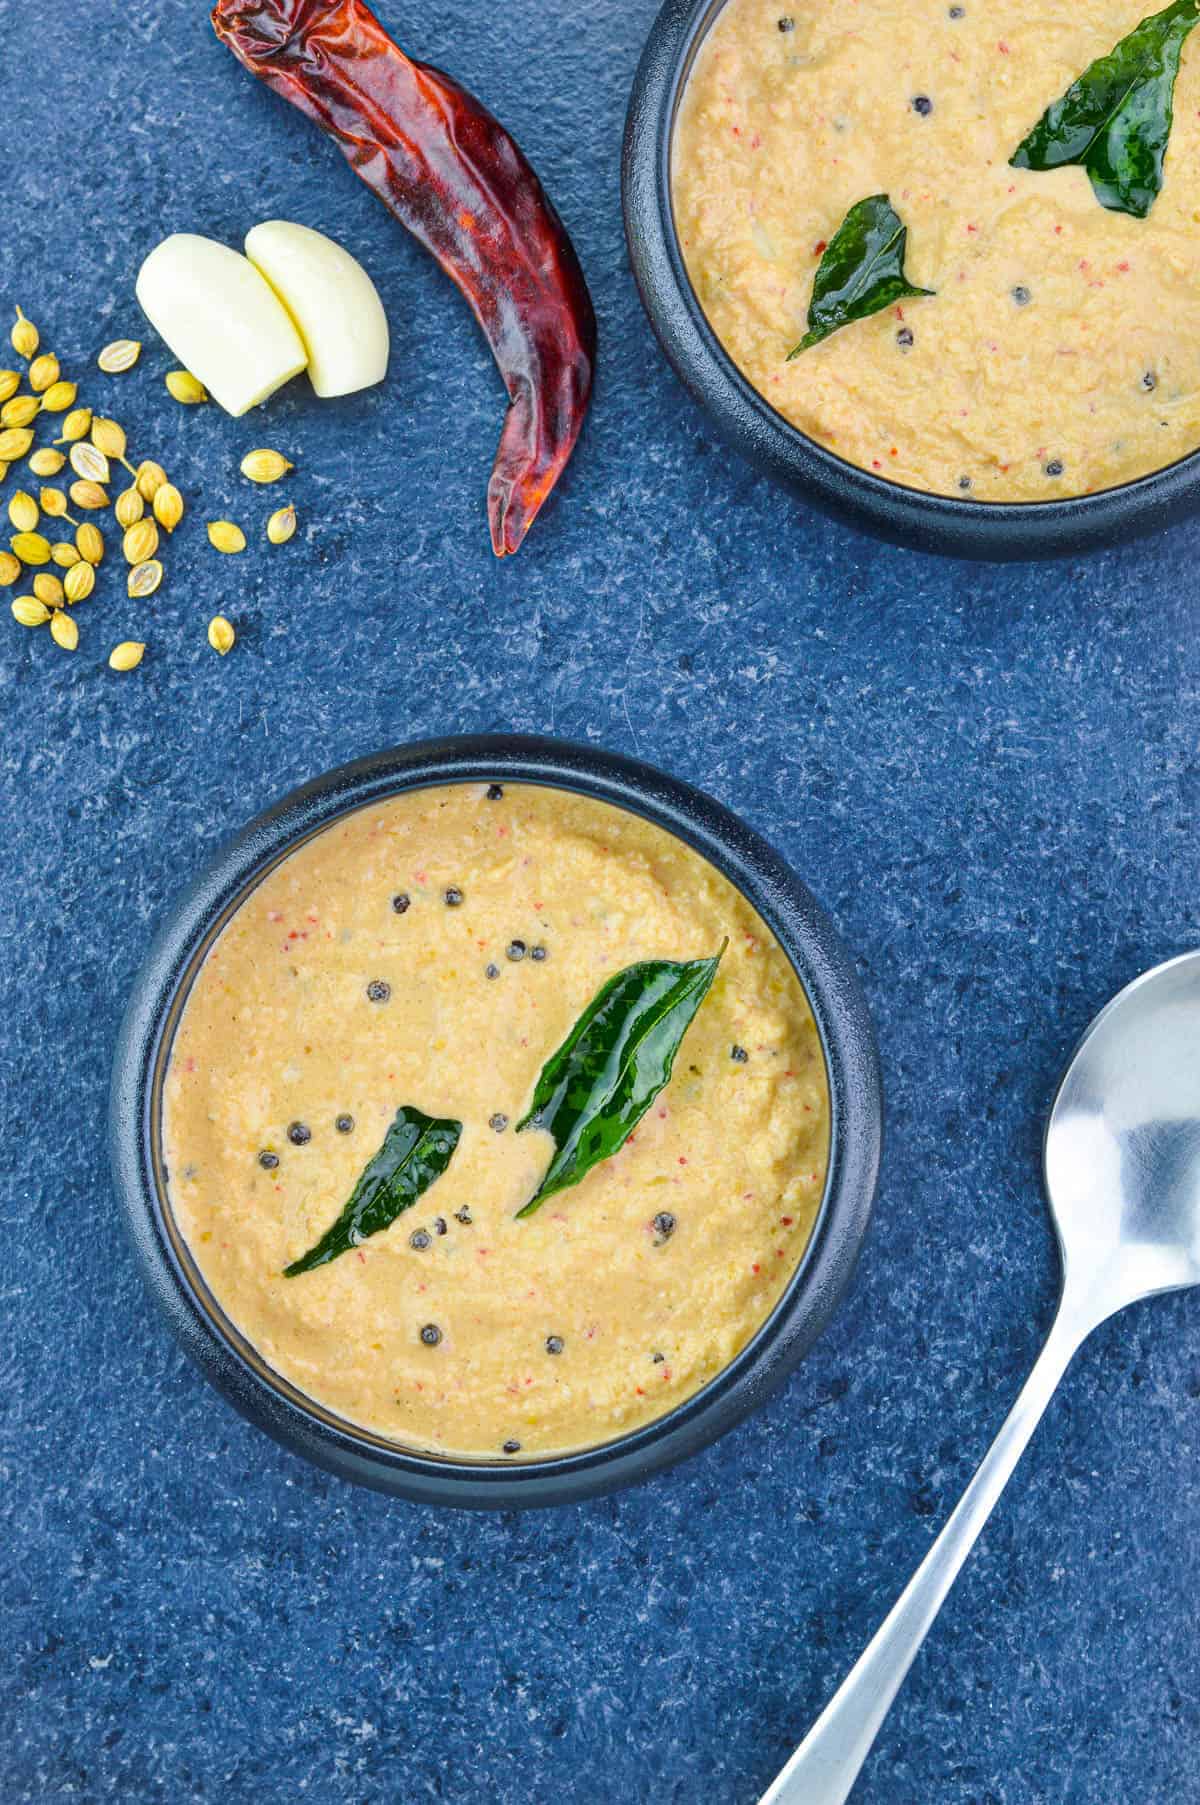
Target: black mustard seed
(1021, 295)
(512, 1447)
(787, 24)
(554, 1344)
(431, 1334)
(464, 1216)
(515, 949)
(964, 482)
(1149, 382)
(268, 1160)
(491, 971)
(1054, 467)
(958, 12)
(905, 339)
(498, 1122)
(378, 990)
(537, 953)
(658, 1359)
(420, 1239)
(495, 792)
(453, 897)
(439, 1225)
(401, 902)
(738, 1054)
(344, 1124)
(922, 104)
(664, 1225)
(299, 1133)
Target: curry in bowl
(957, 244)
(496, 1119)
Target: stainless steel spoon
(1122, 1170)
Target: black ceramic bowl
(234, 1366)
(935, 523)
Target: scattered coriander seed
(129, 508)
(344, 1124)
(664, 1226)
(23, 511)
(47, 461)
(498, 1123)
(431, 1334)
(127, 656)
(226, 536)
(150, 478)
(120, 355)
(43, 371)
(90, 541)
(268, 1160)
(401, 902)
(140, 541)
(27, 611)
(10, 382)
(49, 589)
(185, 387)
(31, 548)
(299, 1134)
(10, 569)
(59, 397)
(24, 336)
(453, 898)
(79, 581)
(555, 1344)
(63, 631)
(74, 426)
(54, 503)
(64, 554)
(281, 525)
(515, 950)
(379, 990)
(264, 466)
(221, 635)
(89, 462)
(464, 1216)
(109, 439)
(512, 1447)
(439, 1225)
(14, 443)
(491, 971)
(89, 495)
(22, 410)
(420, 1239)
(168, 506)
(495, 792)
(738, 1054)
(144, 579)
(538, 954)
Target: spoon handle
(826, 1764)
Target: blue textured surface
(991, 777)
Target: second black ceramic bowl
(910, 517)
(228, 1359)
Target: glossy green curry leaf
(595, 1090)
(1116, 119)
(861, 271)
(416, 1150)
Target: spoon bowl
(1122, 1150)
(1122, 1169)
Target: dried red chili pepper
(452, 175)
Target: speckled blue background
(990, 776)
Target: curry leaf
(416, 1150)
(596, 1088)
(1116, 119)
(861, 271)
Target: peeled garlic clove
(332, 300)
(221, 318)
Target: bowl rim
(957, 526)
(847, 1038)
